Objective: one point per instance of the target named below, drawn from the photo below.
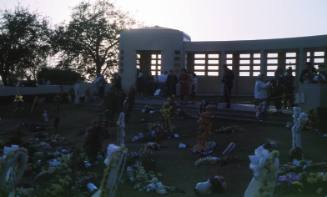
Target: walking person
(307, 75)
(185, 82)
(194, 86)
(100, 84)
(278, 88)
(289, 88)
(171, 83)
(162, 79)
(228, 80)
(261, 96)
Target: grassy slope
(177, 165)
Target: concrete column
(301, 62)
(128, 71)
(222, 61)
(281, 59)
(263, 61)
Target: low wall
(315, 95)
(39, 90)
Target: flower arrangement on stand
(264, 165)
(167, 114)
(12, 166)
(142, 175)
(147, 181)
(205, 123)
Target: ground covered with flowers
(58, 165)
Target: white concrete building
(159, 49)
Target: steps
(238, 112)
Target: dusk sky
(208, 20)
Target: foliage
(90, 40)
(59, 76)
(24, 44)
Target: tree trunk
(98, 68)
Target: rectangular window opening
(244, 74)
(199, 55)
(213, 74)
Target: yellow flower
(298, 185)
(19, 98)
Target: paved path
(196, 104)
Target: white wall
(162, 39)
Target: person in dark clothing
(100, 83)
(185, 84)
(116, 82)
(308, 74)
(171, 83)
(228, 79)
(277, 88)
(150, 84)
(289, 88)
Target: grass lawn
(177, 165)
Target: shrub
(58, 76)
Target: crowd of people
(166, 84)
(280, 91)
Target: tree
(24, 44)
(89, 41)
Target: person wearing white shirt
(163, 77)
(162, 82)
(261, 96)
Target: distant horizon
(208, 20)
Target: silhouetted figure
(289, 88)
(116, 82)
(277, 88)
(185, 82)
(92, 143)
(308, 74)
(161, 83)
(171, 83)
(100, 84)
(228, 79)
(194, 86)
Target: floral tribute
(205, 122)
(264, 165)
(141, 173)
(167, 112)
(303, 177)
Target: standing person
(162, 82)
(307, 74)
(289, 88)
(171, 83)
(194, 86)
(100, 84)
(185, 80)
(116, 81)
(277, 88)
(139, 82)
(228, 79)
(261, 96)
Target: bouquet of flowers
(303, 176)
(264, 165)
